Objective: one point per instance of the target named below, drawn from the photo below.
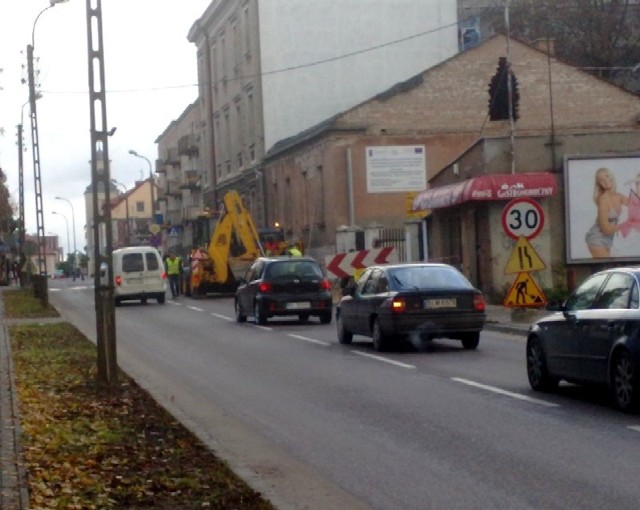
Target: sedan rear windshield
(424, 277)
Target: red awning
(488, 187)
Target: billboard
(602, 215)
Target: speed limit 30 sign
(522, 217)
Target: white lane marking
(385, 360)
(263, 328)
(230, 319)
(310, 340)
(195, 308)
(506, 393)
(175, 303)
(635, 428)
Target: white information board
(395, 168)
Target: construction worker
(294, 251)
(174, 270)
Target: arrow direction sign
(345, 264)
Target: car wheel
(161, 298)
(623, 382)
(539, 377)
(303, 317)
(470, 341)
(240, 317)
(344, 336)
(380, 340)
(259, 315)
(325, 318)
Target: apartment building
(270, 69)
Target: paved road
(315, 424)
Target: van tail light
(264, 287)
(325, 285)
(398, 305)
(164, 275)
(479, 303)
(118, 280)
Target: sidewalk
(13, 485)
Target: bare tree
(600, 35)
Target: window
(152, 262)
(616, 292)
(132, 263)
(583, 297)
(140, 206)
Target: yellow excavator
(234, 245)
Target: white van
(138, 273)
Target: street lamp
(67, 222)
(126, 204)
(35, 142)
(73, 224)
(134, 153)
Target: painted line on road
(310, 340)
(195, 308)
(174, 303)
(506, 393)
(384, 360)
(635, 428)
(224, 317)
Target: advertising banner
(602, 214)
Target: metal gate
(393, 237)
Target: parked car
(593, 337)
(423, 300)
(284, 286)
(57, 274)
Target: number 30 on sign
(522, 217)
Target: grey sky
(150, 72)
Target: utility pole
(100, 180)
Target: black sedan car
(411, 300)
(593, 337)
(281, 286)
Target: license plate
(303, 305)
(441, 303)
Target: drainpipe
(352, 216)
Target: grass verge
(85, 448)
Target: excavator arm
(235, 220)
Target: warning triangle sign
(523, 258)
(525, 292)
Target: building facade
(268, 70)
(447, 110)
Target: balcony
(188, 145)
(191, 180)
(172, 188)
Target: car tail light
(398, 305)
(118, 280)
(325, 285)
(479, 303)
(264, 287)
(164, 275)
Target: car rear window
(152, 262)
(302, 269)
(417, 277)
(132, 262)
